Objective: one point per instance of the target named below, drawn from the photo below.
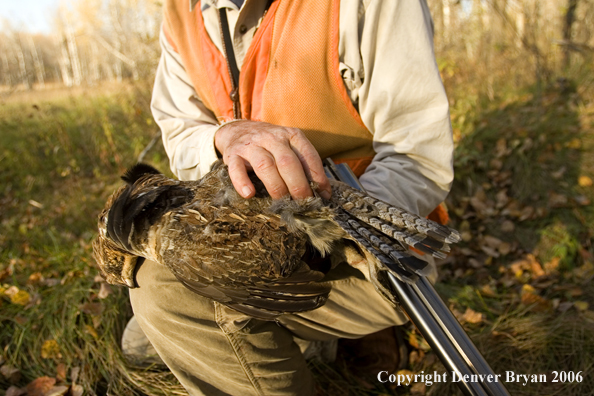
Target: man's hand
(283, 158)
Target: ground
(520, 282)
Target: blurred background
(75, 85)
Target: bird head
(117, 265)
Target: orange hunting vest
(290, 75)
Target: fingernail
(246, 191)
(325, 194)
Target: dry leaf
(405, 373)
(585, 181)
(529, 298)
(588, 315)
(104, 291)
(552, 265)
(90, 330)
(507, 226)
(40, 386)
(20, 298)
(557, 200)
(582, 200)
(14, 391)
(558, 174)
(418, 389)
(12, 374)
(491, 241)
(35, 278)
(564, 306)
(471, 316)
(501, 148)
(504, 248)
(76, 390)
(488, 291)
(413, 341)
(526, 213)
(574, 143)
(57, 391)
(50, 350)
(91, 308)
(581, 305)
(74, 374)
(61, 372)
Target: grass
(60, 157)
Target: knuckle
(263, 164)
(285, 161)
(300, 191)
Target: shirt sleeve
(188, 127)
(395, 81)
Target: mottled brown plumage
(248, 254)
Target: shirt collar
(215, 3)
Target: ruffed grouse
(248, 253)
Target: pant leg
(211, 349)
(214, 350)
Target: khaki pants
(214, 350)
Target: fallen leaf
(418, 389)
(12, 374)
(91, 308)
(501, 148)
(538, 303)
(14, 391)
(558, 174)
(57, 391)
(588, 315)
(585, 181)
(40, 386)
(526, 213)
(585, 271)
(405, 373)
(582, 200)
(574, 143)
(76, 390)
(492, 242)
(50, 350)
(504, 248)
(61, 372)
(104, 291)
(90, 330)
(507, 226)
(552, 265)
(20, 298)
(413, 341)
(35, 278)
(488, 291)
(581, 305)
(471, 316)
(564, 306)
(557, 200)
(74, 373)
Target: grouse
(249, 253)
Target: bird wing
(248, 261)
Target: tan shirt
(388, 66)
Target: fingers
(291, 171)
(282, 158)
(311, 163)
(239, 177)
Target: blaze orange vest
(290, 76)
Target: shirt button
(243, 29)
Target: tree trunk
(569, 20)
(37, 63)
